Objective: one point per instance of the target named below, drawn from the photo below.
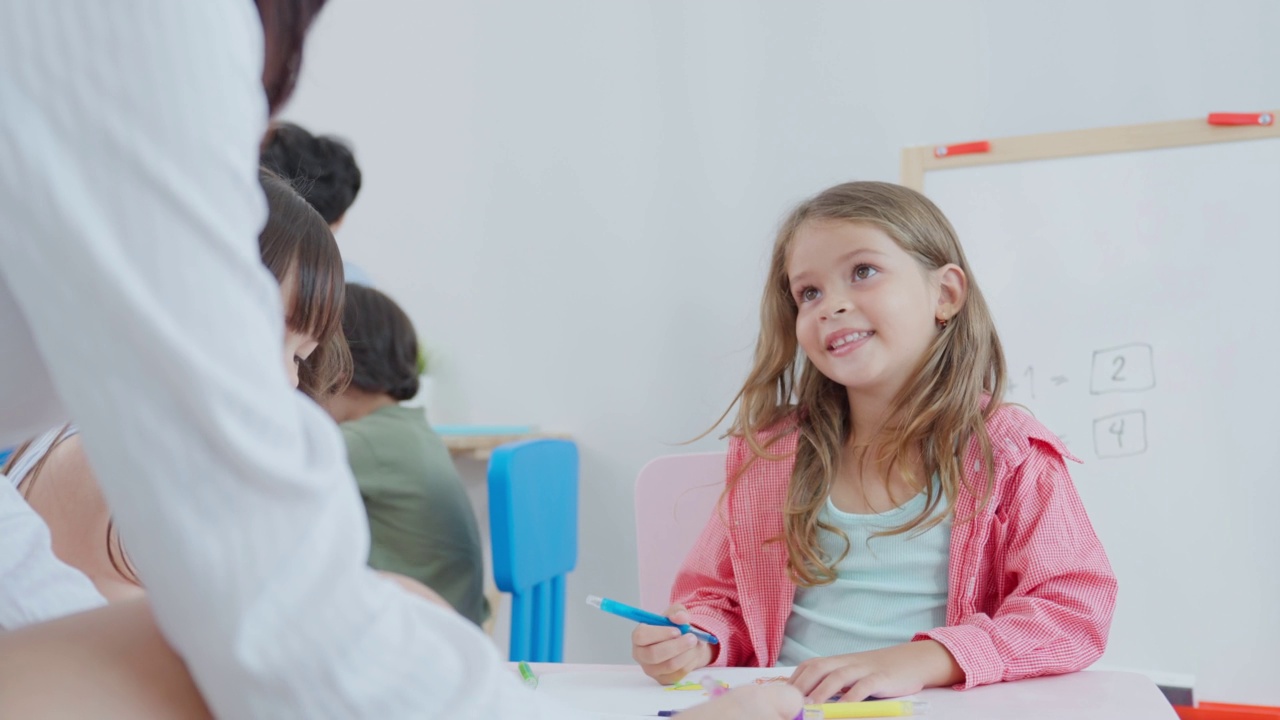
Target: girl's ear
(953, 288)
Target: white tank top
(35, 452)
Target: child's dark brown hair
(298, 248)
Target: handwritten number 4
(1117, 429)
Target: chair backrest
(533, 525)
(675, 497)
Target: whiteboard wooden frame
(918, 160)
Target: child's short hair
(321, 168)
(298, 248)
(384, 346)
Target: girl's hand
(754, 702)
(889, 672)
(664, 653)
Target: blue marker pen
(644, 616)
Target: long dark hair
(298, 248)
(284, 27)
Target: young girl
(888, 524)
(52, 471)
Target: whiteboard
(1137, 295)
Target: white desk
(480, 447)
(623, 691)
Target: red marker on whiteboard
(1241, 118)
(968, 148)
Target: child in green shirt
(420, 519)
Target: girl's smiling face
(867, 311)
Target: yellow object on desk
(870, 709)
(691, 685)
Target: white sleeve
(128, 150)
(35, 585)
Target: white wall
(575, 200)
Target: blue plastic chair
(533, 521)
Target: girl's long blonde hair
(943, 406)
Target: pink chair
(675, 496)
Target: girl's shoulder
(778, 438)
(1030, 471)
(1016, 434)
(777, 441)
(1024, 451)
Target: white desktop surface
(623, 691)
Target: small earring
(942, 323)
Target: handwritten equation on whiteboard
(1124, 369)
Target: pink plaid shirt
(1030, 591)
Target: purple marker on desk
(806, 714)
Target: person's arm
(705, 584)
(704, 594)
(108, 664)
(56, 670)
(36, 585)
(1056, 617)
(128, 171)
(891, 671)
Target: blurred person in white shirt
(132, 298)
